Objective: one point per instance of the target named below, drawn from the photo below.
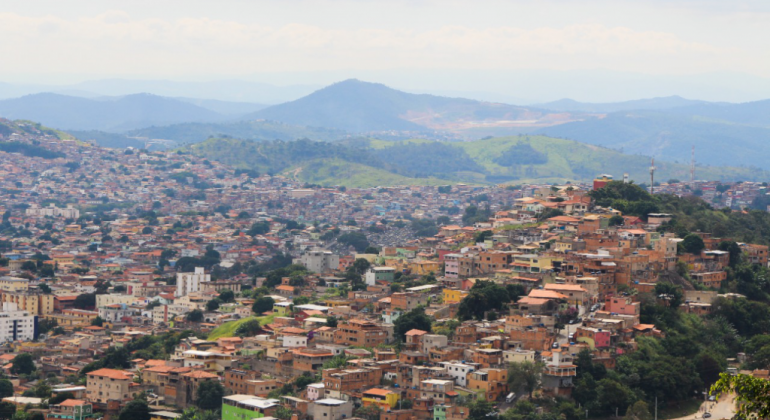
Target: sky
(589, 49)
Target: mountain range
(109, 114)
(666, 128)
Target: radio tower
(692, 168)
(652, 176)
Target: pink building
(451, 265)
(621, 305)
(595, 338)
(315, 391)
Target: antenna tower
(692, 167)
(652, 176)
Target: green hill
(670, 136)
(515, 159)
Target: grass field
(339, 172)
(228, 328)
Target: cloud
(115, 42)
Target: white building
(68, 213)
(116, 312)
(319, 261)
(294, 341)
(187, 283)
(16, 325)
(459, 371)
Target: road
(563, 336)
(722, 409)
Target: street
(722, 409)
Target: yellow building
(533, 263)
(13, 284)
(424, 267)
(334, 303)
(382, 398)
(281, 308)
(454, 295)
(35, 304)
(70, 319)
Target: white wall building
(187, 283)
(70, 212)
(319, 261)
(459, 371)
(16, 325)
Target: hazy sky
(296, 41)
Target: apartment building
(34, 303)
(16, 325)
(187, 283)
(358, 332)
(105, 385)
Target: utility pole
(692, 168)
(652, 176)
(656, 408)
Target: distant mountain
(256, 130)
(518, 159)
(755, 113)
(235, 109)
(668, 136)
(109, 114)
(667, 102)
(357, 106)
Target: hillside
(655, 104)
(517, 159)
(109, 114)
(258, 130)
(357, 106)
(670, 137)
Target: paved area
(722, 409)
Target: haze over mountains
(664, 127)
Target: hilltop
(109, 114)
(358, 106)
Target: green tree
(249, 328)
(414, 319)
(263, 304)
(23, 364)
(371, 412)
(135, 410)
(227, 296)
(478, 410)
(45, 288)
(671, 293)
(639, 411)
(98, 322)
(85, 301)
(196, 315)
(7, 410)
(6, 388)
(61, 397)
(360, 265)
(212, 305)
(752, 395)
(209, 395)
(693, 244)
(482, 236)
(525, 377)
